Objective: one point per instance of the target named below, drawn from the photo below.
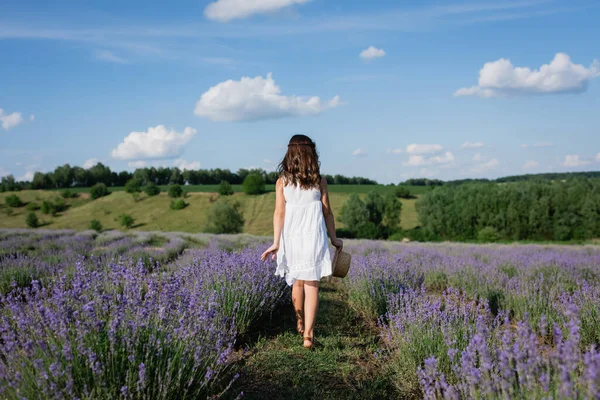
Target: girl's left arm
(278, 220)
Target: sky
(388, 90)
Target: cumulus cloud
(137, 164)
(469, 145)
(485, 166)
(252, 99)
(28, 177)
(419, 160)
(227, 10)
(575, 160)
(371, 53)
(560, 76)
(189, 165)
(90, 163)
(423, 148)
(530, 164)
(479, 158)
(155, 143)
(359, 152)
(9, 121)
(537, 145)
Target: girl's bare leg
(311, 305)
(298, 301)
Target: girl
(301, 223)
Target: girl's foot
(308, 343)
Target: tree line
(526, 210)
(67, 176)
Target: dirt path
(276, 366)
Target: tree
(99, 190)
(402, 192)
(127, 220)
(354, 213)
(254, 184)
(391, 214)
(376, 207)
(151, 189)
(32, 220)
(133, 185)
(225, 189)
(13, 200)
(225, 217)
(175, 191)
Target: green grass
(154, 213)
(342, 366)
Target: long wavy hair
(301, 163)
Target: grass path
(342, 366)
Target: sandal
(310, 347)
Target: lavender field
(157, 315)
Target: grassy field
(153, 213)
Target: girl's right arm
(328, 214)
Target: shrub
(488, 234)
(67, 194)
(59, 205)
(32, 206)
(96, 225)
(225, 217)
(13, 201)
(133, 185)
(47, 207)
(402, 192)
(178, 204)
(254, 184)
(175, 191)
(225, 189)
(151, 189)
(32, 220)
(127, 221)
(99, 190)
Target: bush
(178, 204)
(127, 221)
(32, 220)
(13, 201)
(151, 189)
(99, 190)
(225, 189)
(47, 207)
(225, 217)
(403, 192)
(133, 185)
(488, 234)
(254, 184)
(175, 191)
(32, 206)
(67, 194)
(59, 205)
(96, 225)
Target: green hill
(153, 213)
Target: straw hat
(341, 264)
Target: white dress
(303, 250)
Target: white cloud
(560, 76)
(486, 166)
(3, 172)
(575, 160)
(371, 53)
(530, 164)
(10, 120)
(469, 145)
(479, 158)
(137, 164)
(28, 177)
(252, 99)
(598, 157)
(394, 151)
(359, 152)
(423, 148)
(32, 117)
(189, 165)
(419, 160)
(109, 56)
(90, 163)
(538, 145)
(158, 142)
(227, 10)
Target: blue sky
(389, 90)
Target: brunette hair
(301, 163)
